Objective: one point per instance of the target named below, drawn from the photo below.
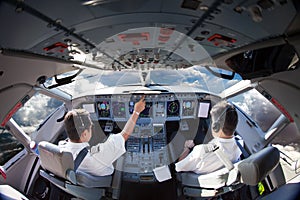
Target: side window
(9, 146)
(263, 112)
(288, 142)
(35, 111)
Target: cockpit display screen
(173, 108)
(188, 107)
(103, 108)
(119, 110)
(147, 112)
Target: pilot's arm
(129, 126)
(188, 145)
(190, 162)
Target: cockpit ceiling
(117, 29)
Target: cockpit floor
(149, 191)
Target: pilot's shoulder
(239, 140)
(206, 148)
(62, 142)
(199, 149)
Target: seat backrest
(252, 170)
(56, 161)
(61, 163)
(257, 166)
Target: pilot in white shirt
(99, 160)
(97, 163)
(224, 121)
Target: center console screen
(147, 112)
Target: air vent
(265, 4)
(191, 4)
(199, 38)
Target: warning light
(282, 109)
(135, 38)
(218, 39)
(3, 172)
(56, 47)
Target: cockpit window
(109, 79)
(288, 142)
(35, 111)
(197, 77)
(9, 147)
(262, 111)
(164, 77)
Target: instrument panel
(147, 146)
(158, 106)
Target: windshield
(197, 77)
(139, 60)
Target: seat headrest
(54, 160)
(256, 167)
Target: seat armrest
(71, 176)
(213, 180)
(91, 181)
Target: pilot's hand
(140, 105)
(189, 144)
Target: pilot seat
(249, 171)
(58, 168)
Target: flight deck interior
(183, 57)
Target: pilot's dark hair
(224, 117)
(76, 121)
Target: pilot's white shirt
(202, 163)
(100, 162)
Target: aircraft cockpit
(182, 57)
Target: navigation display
(173, 108)
(119, 110)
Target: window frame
(11, 129)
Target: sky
(35, 111)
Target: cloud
(35, 111)
(257, 107)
